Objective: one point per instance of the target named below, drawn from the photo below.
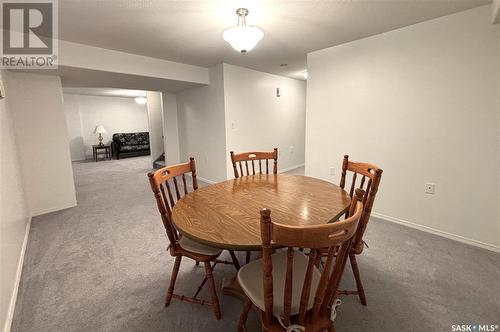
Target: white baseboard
(12, 304)
(434, 231)
(205, 180)
(279, 171)
(291, 168)
(199, 178)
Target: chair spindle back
(254, 162)
(168, 190)
(331, 236)
(370, 175)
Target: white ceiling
(190, 31)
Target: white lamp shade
(243, 38)
(99, 130)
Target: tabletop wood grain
(227, 214)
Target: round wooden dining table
(227, 214)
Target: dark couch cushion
(133, 148)
(132, 139)
(130, 144)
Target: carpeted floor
(102, 266)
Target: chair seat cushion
(250, 277)
(198, 248)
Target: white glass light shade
(99, 129)
(243, 38)
(141, 100)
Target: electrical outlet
(332, 171)
(430, 188)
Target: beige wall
(170, 129)
(41, 134)
(423, 103)
(75, 127)
(14, 215)
(201, 127)
(159, 72)
(155, 120)
(257, 120)
(116, 114)
(239, 111)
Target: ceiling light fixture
(243, 37)
(141, 100)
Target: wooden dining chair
(253, 163)
(369, 175)
(167, 190)
(287, 287)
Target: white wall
(101, 59)
(202, 127)
(75, 128)
(422, 102)
(14, 215)
(36, 105)
(116, 114)
(155, 118)
(170, 129)
(239, 111)
(257, 120)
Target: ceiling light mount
(243, 37)
(242, 13)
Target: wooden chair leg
(235, 260)
(213, 292)
(357, 276)
(173, 277)
(244, 315)
(247, 260)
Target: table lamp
(100, 130)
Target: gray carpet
(102, 266)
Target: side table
(101, 150)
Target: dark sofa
(130, 144)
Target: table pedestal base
(230, 286)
